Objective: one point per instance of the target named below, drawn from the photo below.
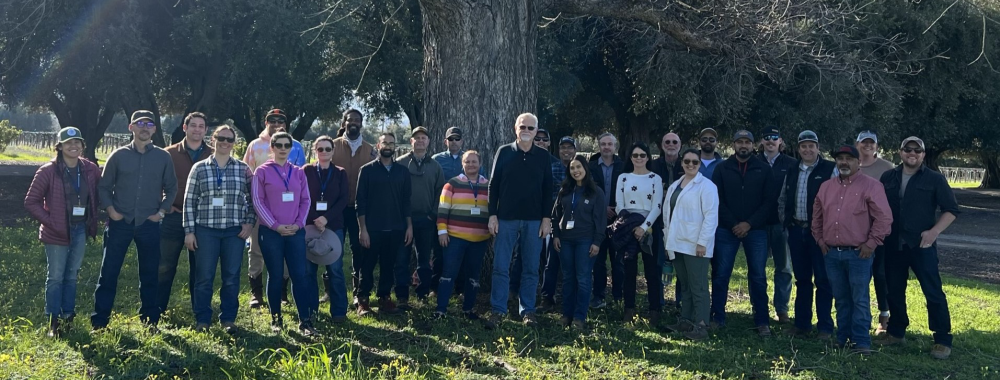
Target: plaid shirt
(802, 191)
(558, 175)
(203, 185)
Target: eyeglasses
(708, 139)
(913, 150)
(225, 139)
(544, 139)
(691, 162)
(326, 149)
(282, 146)
(454, 139)
(671, 142)
(771, 138)
(638, 155)
(528, 127)
(145, 124)
(276, 120)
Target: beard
(845, 170)
(353, 130)
(743, 154)
(386, 153)
(707, 148)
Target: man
(777, 237)
(183, 155)
(567, 151)
(606, 167)
(137, 189)
(426, 179)
(351, 152)
(795, 204)
(520, 205)
(746, 200)
(915, 193)
(874, 166)
(850, 218)
(384, 192)
(709, 139)
(668, 167)
(258, 152)
(451, 159)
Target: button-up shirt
(558, 175)
(915, 211)
(851, 212)
(208, 182)
(137, 183)
(608, 171)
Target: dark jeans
(808, 264)
(290, 252)
(777, 244)
(879, 278)
(171, 244)
(118, 236)
(755, 250)
(543, 264)
(577, 269)
(924, 263)
(466, 257)
(215, 246)
(338, 284)
(652, 268)
(383, 250)
(424, 240)
(601, 271)
(850, 277)
(353, 234)
(550, 275)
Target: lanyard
(218, 174)
(287, 177)
(323, 183)
(474, 184)
(573, 202)
(76, 185)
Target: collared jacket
(709, 170)
(138, 184)
(694, 219)
(822, 172)
(182, 166)
(335, 194)
(744, 192)
(426, 181)
(617, 168)
(926, 192)
(779, 169)
(46, 201)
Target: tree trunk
(303, 125)
(932, 156)
(479, 69)
(991, 161)
(85, 112)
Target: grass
(964, 185)
(413, 346)
(31, 155)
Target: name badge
(79, 211)
(288, 196)
(217, 202)
(570, 224)
(320, 206)
(475, 211)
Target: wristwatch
(161, 214)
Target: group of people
(832, 225)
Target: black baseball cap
(846, 149)
(453, 132)
(419, 130)
(276, 112)
(142, 115)
(568, 140)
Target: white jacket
(695, 218)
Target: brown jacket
(182, 167)
(352, 164)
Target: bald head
(670, 145)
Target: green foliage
(8, 133)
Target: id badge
(288, 196)
(217, 202)
(475, 211)
(570, 224)
(320, 206)
(79, 211)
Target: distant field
(25, 154)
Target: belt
(844, 248)
(799, 224)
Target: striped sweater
(455, 210)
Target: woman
(581, 220)
(328, 193)
(63, 198)
(281, 198)
(639, 192)
(691, 215)
(218, 218)
(463, 216)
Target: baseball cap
(567, 140)
(743, 134)
(846, 149)
(808, 135)
(69, 133)
(864, 135)
(912, 139)
(771, 132)
(453, 132)
(708, 130)
(419, 130)
(142, 115)
(276, 112)
(543, 130)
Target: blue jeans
(577, 272)
(849, 279)
(524, 232)
(755, 249)
(215, 246)
(550, 275)
(290, 251)
(601, 271)
(63, 267)
(777, 242)
(338, 283)
(424, 240)
(461, 256)
(118, 236)
(808, 264)
(171, 245)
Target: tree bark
(932, 156)
(991, 161)
(479, 69)
(303, 125)
(86, 112)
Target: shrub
(8, 133)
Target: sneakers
(889, 340)
(256, 292)
(548, 305)
(696, 332)
(437, 316)
(763, 331)
(364, 308)
(386, 306)
(883, 325)
(276, 325)
(940, 352)
(597, 303)
(307, 330)
(53, 331)
(530, 320)
(284, 293)
(682, 326)
(783, 318)
(229, 328)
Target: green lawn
(964, 185)
(29, 155)
(415, 347)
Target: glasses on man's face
(638, 155)
(145, 124)
(282, 146)
(276, 121)
(453, 139)
(327, 149)
(543, 139)
(708, 139)
(225, 139)
(528, 127)
(913, 150)
(771, 138)
(691, 162)
(671, 142)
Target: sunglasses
(276, 121)
(708, 139)
(282, 146)
(454, 139)
(638, 155)
(913, 150)
(225, 139)
(528, 127)
(145, 124)
(671, 142)
(691, 162)
(545, 139)
(771, 138)
(326, 149)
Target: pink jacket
(46, 201)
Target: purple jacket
(46, 201)
(268, 186)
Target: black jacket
(821, 173)
(778, 172)
(384, 196)
(617, 167)
(590, 219)
(744, 197)
(521, 183)
(926, 192)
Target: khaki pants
(256, 259)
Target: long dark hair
(569, 184)
(629, 167)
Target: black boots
(256, 291)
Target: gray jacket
(138, 184)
